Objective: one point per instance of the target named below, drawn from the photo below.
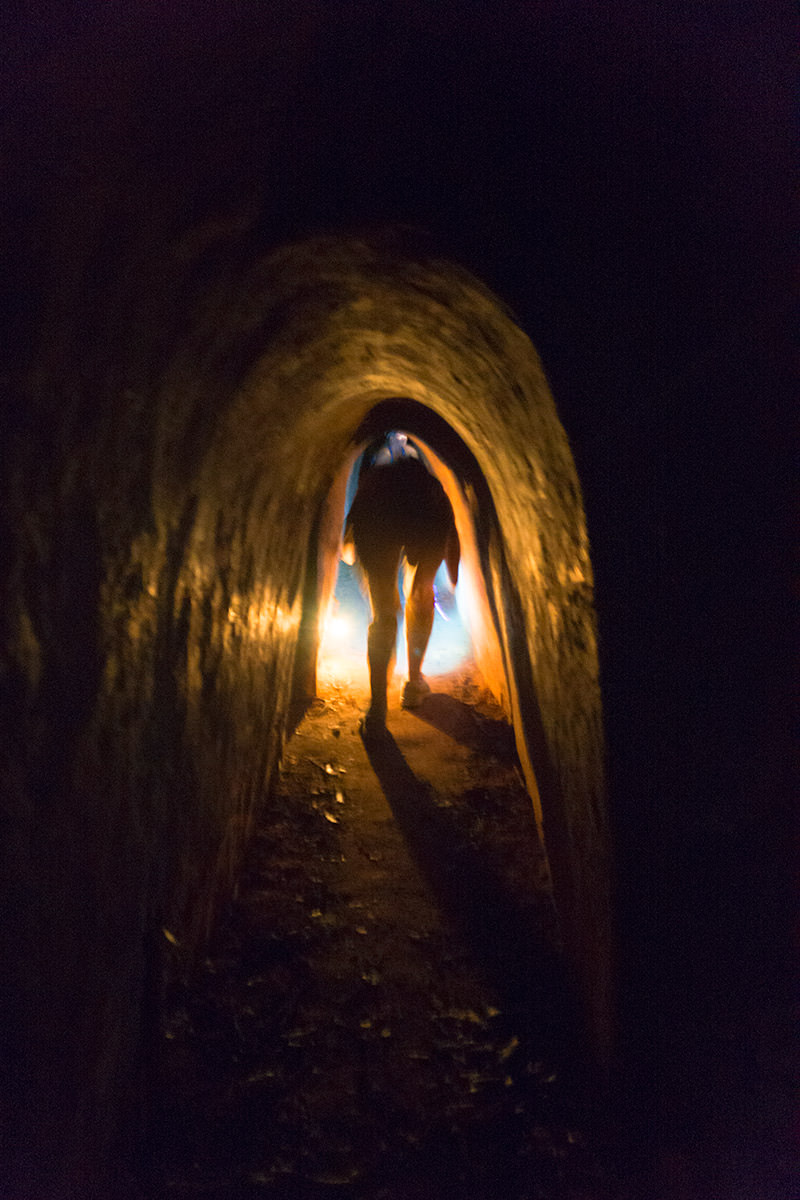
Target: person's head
(391, 447)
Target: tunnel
(548, 245)
(207, 616)
(343, 339)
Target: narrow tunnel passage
(387, 1006)
(207, 634)
(384, 1009)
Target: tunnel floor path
(382, 1014)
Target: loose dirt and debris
(383, 1014)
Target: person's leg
(419, 623)
(382, 635)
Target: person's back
(400, 510)
(400, 504)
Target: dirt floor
(383, 1014)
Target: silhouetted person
(400, 510)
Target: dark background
(619, 175)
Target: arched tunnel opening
(335, 621)
(344, 622)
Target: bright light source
(343, 644)
(337, 628)
(467, 601)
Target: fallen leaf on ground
(508, 1049)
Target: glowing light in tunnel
(466, 599)
(265, 619)
(338, 628)
(343, 642)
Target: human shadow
(509, 935)
(468, 727)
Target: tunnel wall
(481, 619)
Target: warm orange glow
(471, 599)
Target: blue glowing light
(346, 632)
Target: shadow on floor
(511, 936)
(468, 727)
